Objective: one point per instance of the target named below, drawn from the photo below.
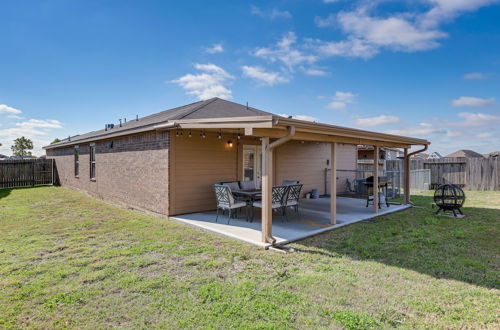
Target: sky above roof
(421, 68)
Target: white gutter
(166, 126)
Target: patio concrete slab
(313, 219)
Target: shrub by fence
(26, 173)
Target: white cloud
(270, 14)
(9, 110)
(285, 52)
(15, 117)
(324, 22)
(473, 102)
(263, 76)
(367, 31)
(38, 130)
(300, 117)
(314, 72)
(214, 49)
(352, 47)
(207, 84)
(445, 10)
(475, 76)
(40, 123)
(394, 32)
(476, 119)
(421, 130)
(485, 135)
(377, 121)
(340, 100)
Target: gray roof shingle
(211, 108)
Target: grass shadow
(463, 249)
(5, 192)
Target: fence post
(33, 173)
(53, 169)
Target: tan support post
(406, 179)
(375, 178)
(267, 211)
(333, 184)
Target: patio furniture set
(237, 195)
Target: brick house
(167, 162)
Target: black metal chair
(293, 197)
(226, 201)
(278, 200)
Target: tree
(56, 140)
(21, 147)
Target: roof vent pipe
(120, 121)
(136, 117)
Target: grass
(68, 261)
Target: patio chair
(293, 197)
(247, 185)
(289, 182)
(234, 185)
(226, 201)
(278, 200)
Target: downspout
(285, 139)
(418, 151)
(408, 169)
(270, 148)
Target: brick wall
(130, 170)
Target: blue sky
(423, 68)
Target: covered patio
(214, 146)
(313, 218)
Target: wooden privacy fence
(26, 173)
(469, 173)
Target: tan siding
(199, 163)
(346, 165)
(306, 162)
(196, 164)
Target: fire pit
(449, 197)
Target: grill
(449, 197)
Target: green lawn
(68, 261)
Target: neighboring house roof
(493, 154)
(435, 154)
(219, 113)
(464, 154)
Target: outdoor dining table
(250, 196)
